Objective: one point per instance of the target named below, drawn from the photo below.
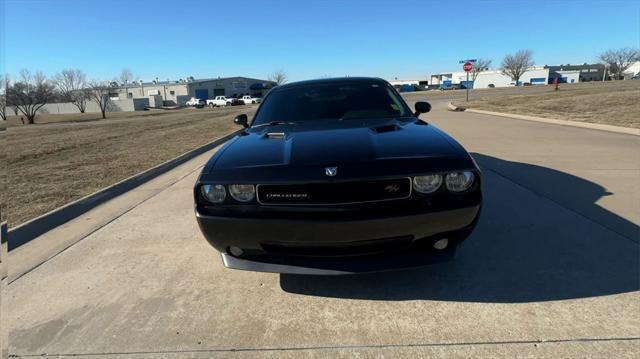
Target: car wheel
(212, 105)
(253, 102)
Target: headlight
(242, 192)
(459, 181)
(427, 184)
(214, 193)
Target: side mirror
(241, 120)
(422, 107)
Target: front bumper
(338, 247)
(343, 266)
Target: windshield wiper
(273, 123)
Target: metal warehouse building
(176, 93)
(537, 75)
(577, 73)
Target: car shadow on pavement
(541, 236)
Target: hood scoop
(386, 128)
(274, 135)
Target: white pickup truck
(219, 101)
(247, 100)
(195, 102)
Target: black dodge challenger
(337, 176)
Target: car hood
(349, 143)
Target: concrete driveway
(551, 270)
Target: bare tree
(480, 66)
(100, 95)
(516, 65)
(126, 77)
(619, 60)
(279, 77)
(72, 84)
(30, 93)
(4, 83)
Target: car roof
(335, 80)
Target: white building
(172, 93)
(633, 70)
(536, 75)
(404, 82)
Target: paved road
(552, 270)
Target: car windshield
(331, 101)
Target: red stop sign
(467, 67)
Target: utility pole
(467, 86)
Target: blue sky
(403, 39)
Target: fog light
(236, 251)
(441, 244)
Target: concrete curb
(44, 223)
(4, 283)
(588, 125)
(4, 271)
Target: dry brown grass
(613, 103)
(13, 121)
(48, 165)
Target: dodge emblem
(331, 171)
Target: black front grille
(334, 192)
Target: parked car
(337, 176)
(195, 102)
(219, 101)
(450, 86)
(235, 101)
(247, 100)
